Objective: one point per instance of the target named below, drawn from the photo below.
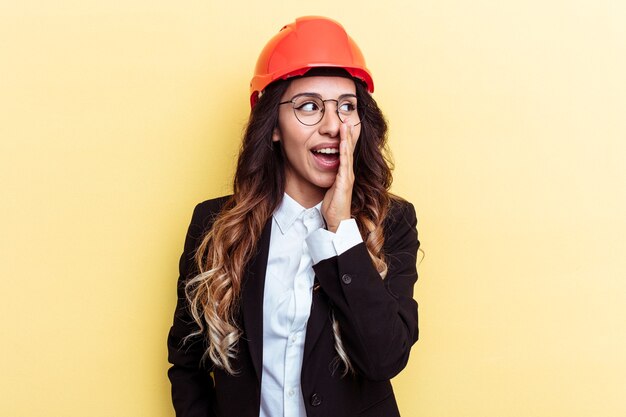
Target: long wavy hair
(259, 184)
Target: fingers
(337, 201)
(346, 151)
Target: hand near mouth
(338, 198)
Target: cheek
(357, 134)
(296, 135)
(293, 143)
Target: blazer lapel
(252, 299)
(318, 319)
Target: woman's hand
(338, 198)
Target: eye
(308, 106)
(347, 107)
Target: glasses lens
(309, 109)
(347, 110)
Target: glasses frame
(295, 113)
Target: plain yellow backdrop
(508, 128)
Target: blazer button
(346, 279)
(316, 399)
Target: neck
(306, 198)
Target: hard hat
(309, 42)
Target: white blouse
(298, 241)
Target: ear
(276, 135)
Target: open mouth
(327, 157)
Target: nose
(330, 123)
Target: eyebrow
(342, 96)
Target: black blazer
(377, 319)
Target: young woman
(295, 295)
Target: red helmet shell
(309, 42)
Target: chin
(325, 183)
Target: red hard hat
(309, 42)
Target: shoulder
(400, 223)
(210, 207)
(205, 214)
(400, 211)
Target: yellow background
(508, 127)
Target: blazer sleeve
(192, 385)
(377, 318)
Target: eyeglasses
(309, 108)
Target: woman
(295, 295)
